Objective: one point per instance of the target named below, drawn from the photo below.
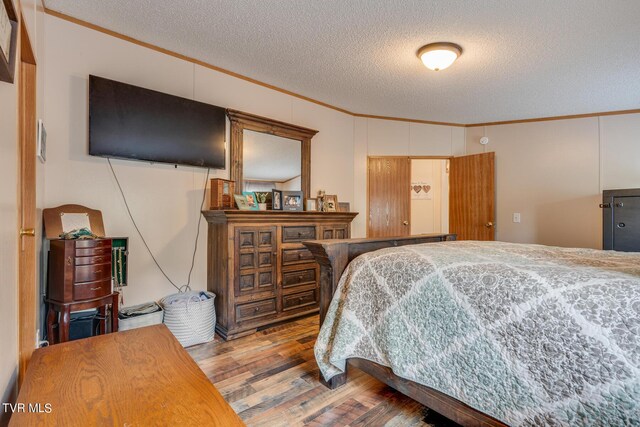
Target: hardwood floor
(271, 379)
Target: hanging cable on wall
(187, 286)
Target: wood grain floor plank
(342, 414)
(273, 400)
(271, 416)
(271, 378)
(238, 393)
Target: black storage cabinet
(621, 220)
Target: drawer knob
(300, 277)
(257, 309)
(95, 289)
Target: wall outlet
(516, 217)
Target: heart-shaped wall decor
(427, 188)
(417, 188)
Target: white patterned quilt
(531, 335)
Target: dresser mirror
(271, 161)
(267, 154)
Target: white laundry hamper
(191, 319)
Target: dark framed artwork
(276, 200)
(292, 200)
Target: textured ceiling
(521, 59)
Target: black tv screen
(130, 122)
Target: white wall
(165, 201)
(620, 152)
(553, 173)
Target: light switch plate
(516, 217)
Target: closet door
(472, 197)
(389, 181)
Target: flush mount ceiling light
(438, 56)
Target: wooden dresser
(259, 269)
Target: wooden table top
(141, 377)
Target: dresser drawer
(255, 310)
(296, 256)
(89, 260)
(302, 299)
(91, 289)
(85, 244)
(298, 233)
(101, 250)
(299, 277)
(92, 273)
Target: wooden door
(472, 197)
(389, 181)
(27, 202)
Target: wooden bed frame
(333, 257)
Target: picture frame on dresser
(344, 207)
(311, 205)
(251, 199)
(241, 202)
(292, 200)
(276, 200)
(330, 203)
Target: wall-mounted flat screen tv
(130, 122)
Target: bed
(486, 333)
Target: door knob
(27, 232)
(405, 222)
(489, 224)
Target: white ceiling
(521, 59)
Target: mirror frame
(240, 121)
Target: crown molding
(548, 119)
(120, 36)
